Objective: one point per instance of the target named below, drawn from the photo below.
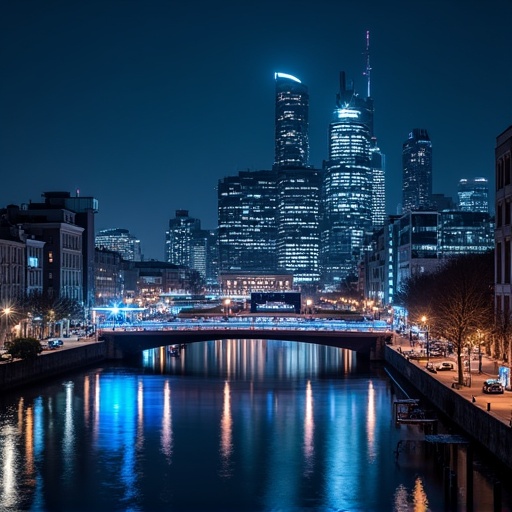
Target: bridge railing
(286, 325)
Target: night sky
(147, 104)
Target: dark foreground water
(231, 426)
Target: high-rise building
(179, 237)
(247, 207)
(417, 171)
(298, 211)
(298, 185)
(378, 165)
(347, 185)
(503, 248)
(291, 122)
(121, 241)
(473, 195)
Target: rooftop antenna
(368, 67)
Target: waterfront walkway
(499, 406)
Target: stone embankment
(50, 364)
(484, 418)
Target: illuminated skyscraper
(298, 185)
(417, 171)
(347, 185)
(121, 241)
(179, 237)
(298, 237)
(247, 206)
(291, 122)
(473, 195)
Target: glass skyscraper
(417, 171)
(473, 195)
(347, 185)
(291, 122)
(298, 185)
(247, 207)
(121, 241)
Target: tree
(457, 299)
(24, 348)
(463, 301)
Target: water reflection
(242, 425)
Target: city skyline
(147, 107)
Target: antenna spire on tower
(368, 67)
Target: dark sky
(147, 104)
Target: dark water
(230, 426)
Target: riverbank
(73, 355)
(484, 418)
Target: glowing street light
(6, 313)
(425, 329)
(227, 303)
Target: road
(499, 406)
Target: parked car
(492, 386)
(445, 365)
(430, 367)
(55, 344)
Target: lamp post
(309, 303)
(7, 312)
(227, 303)
(425, 330)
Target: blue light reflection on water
(234, 425)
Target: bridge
(367, 338)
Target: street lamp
(425, 330)
(227, 302)
(7, 312)
(309, 303)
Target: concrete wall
(491, 433)
(20, 373)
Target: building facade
(247, 228)
(417, 171)
(291, 122)
(298, 217)
(121, 241)
(503, 233)
(473, 195)
(347, 186)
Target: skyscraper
(473, 195)
(291, 122)
(417, 171)
(298, 237)
(247, 221)
(179, 237)
(347, 185)
(298, 185)
(121, 241)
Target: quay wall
(480, 425)
(19, 373)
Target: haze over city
(145, 106)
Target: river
(237, 425)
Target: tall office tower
(347, 186)
(121, 241)
(298, 185)
(417, 171)
(247, 206)
(378, 165)
(291, 122)
(473, 195)
(298, 211)
(179, 238)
